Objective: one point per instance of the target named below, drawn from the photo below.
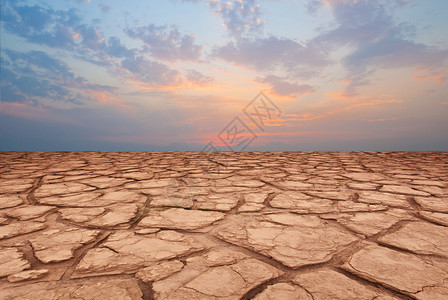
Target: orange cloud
(301, 117)
(76, 36)
(277, 95)
(441, 77)
(381, 120)
(295, 133)
(291, 96)
(374, 102)
(340, 96)
(288, 120)
(106, 97)
(438, 77)
(193, 120)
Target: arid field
(243, 225)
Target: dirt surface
(251, 225)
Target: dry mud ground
(167, 225)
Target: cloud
(282, 87)
(46, 26)
(105, 8)
(65, 30)
(103, 96)
(427, 74)
(355, 81)
(192, 1)
(393, 52)
(339, 96)
(31, 76)
(116, 49)
(312, 6)
(60, 29)
(374, 103)
(240, 16)
(376, 41)
(151, 72)
(271, 54)
(291, 120)
(281, 61)
(44, 68)
(29, 62)
(24, 111)
(35, 77)
(89, 37)
(198, 79)
(171, 46)
(381, 120)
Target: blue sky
(173, 75)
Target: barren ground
(252, 225)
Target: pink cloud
(439, 77)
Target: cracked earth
(167, 225)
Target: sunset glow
(171, 75)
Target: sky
(213, 75)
